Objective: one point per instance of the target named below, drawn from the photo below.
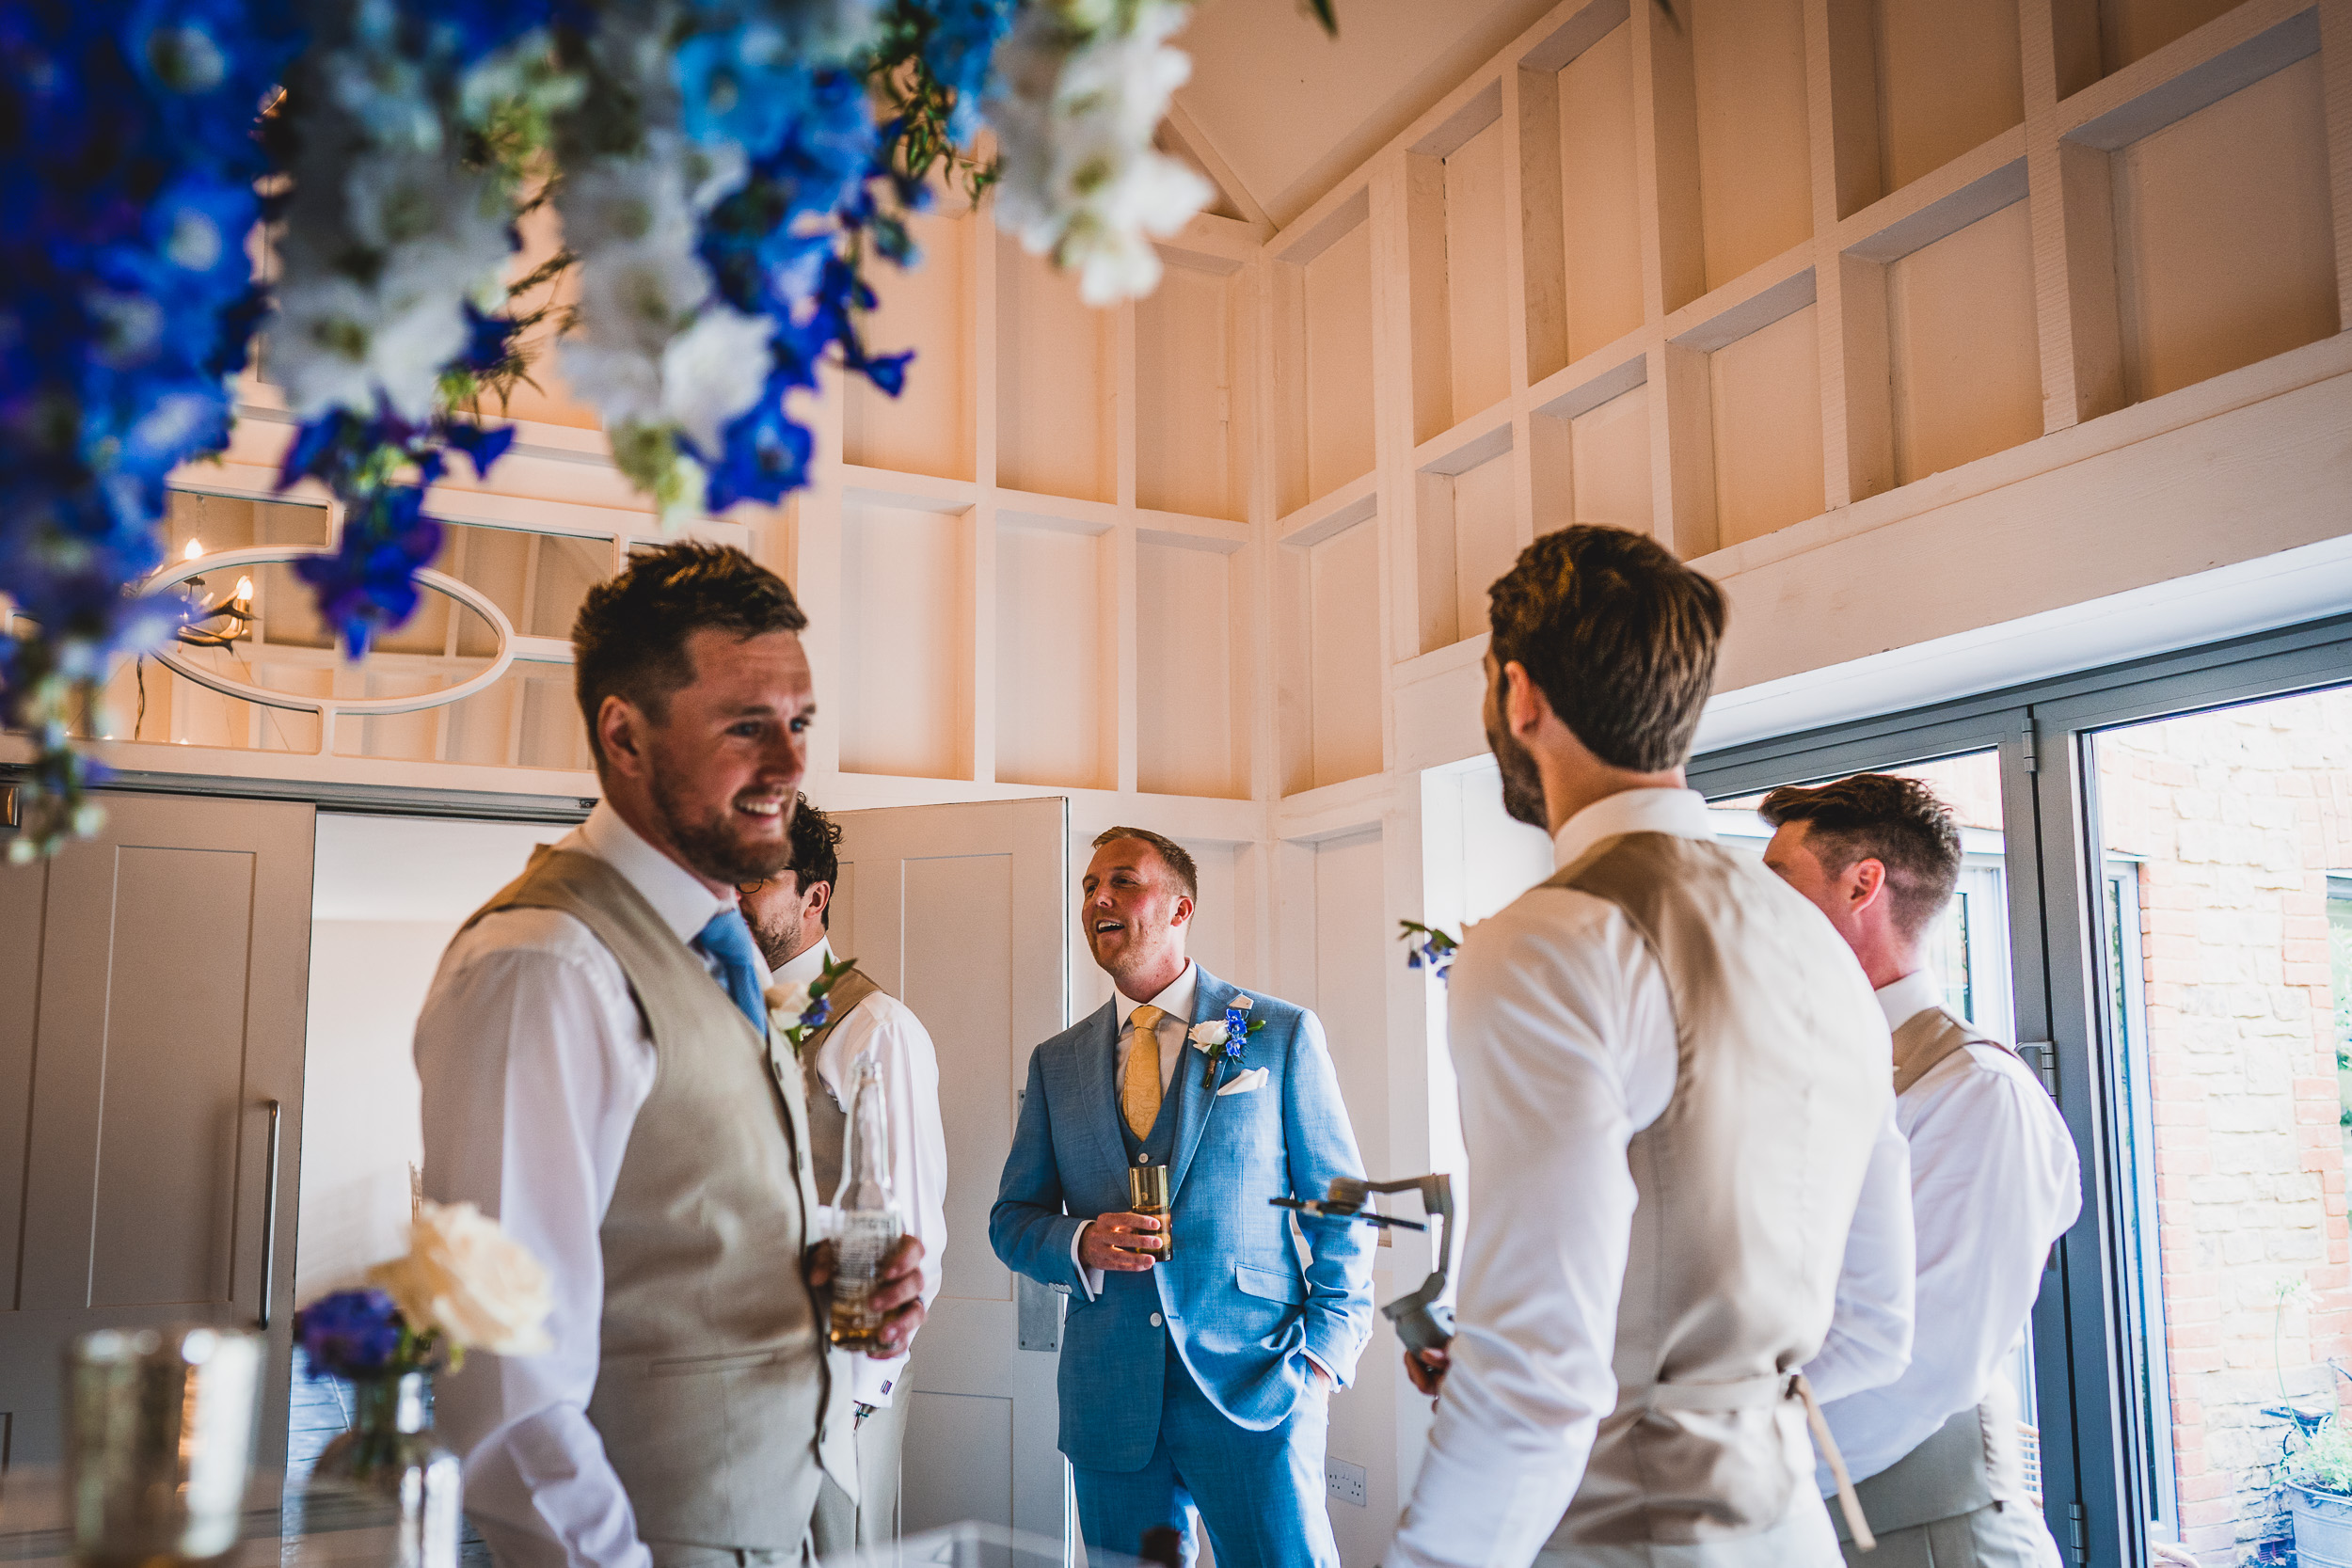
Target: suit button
(1156, 1320)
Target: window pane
(2226, 943)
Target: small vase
(389, 1457)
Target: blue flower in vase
(351, 1333)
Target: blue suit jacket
(1236, 1298)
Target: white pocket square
(1243, 1083)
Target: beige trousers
(1803, 1540)
(842, 1524)
(1998, 1535)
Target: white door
(152, 985)
(962, 911)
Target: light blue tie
(728, 939)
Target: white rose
(788, 1002)
(463, 1278)
(1210, 1031)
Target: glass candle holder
(159, 1435)
(1147, 1194)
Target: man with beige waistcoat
(791, 917)
(1938, 1454)
(1689, 1202)
(598, 1074)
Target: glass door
(2219, 842)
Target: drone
(1423, 1322)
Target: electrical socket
(1343, 1480)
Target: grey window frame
(2093, 1443)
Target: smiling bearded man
(1202, 1378)
(599, 1074)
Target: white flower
(713, 371)
(465, 1278)
(1208, 1032)
(614, 200)
(624, 383)
(825, 32)
(788, 1002)
(318, 348)
(642, 294)
(1087, 86)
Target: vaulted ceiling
(1277, 111)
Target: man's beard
(776, 941)
(1523, 781)
(711, 846)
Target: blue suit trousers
(1260, 1493)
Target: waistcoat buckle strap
(1762, 1393)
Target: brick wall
(2237, 817)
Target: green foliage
(2323, 1464)
(917, 108)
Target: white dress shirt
(534, 1062)
(901, 1048)
(1994, 1183)
(1562, 1038)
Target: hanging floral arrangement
(727, 173)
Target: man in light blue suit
(1203, 1378)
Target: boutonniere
(1427, 947)
(1224, 1037)
(798, 1011)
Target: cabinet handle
(269, 1217)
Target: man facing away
(791, 917)
(597, 1074)
(1994, 1184)
(1690, 1193)
(1203, 1378)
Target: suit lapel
(1194, 1102)
(1093, 1083)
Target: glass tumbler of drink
(1147, 1194)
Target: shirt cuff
(1316, 1361)
(876, 1383)
(1088, 1279)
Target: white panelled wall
(1962, 339)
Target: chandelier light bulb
(245, 589)
(195, 550)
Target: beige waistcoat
(1978, 1456)
(1746, 1184)
(717, 1396)
(829, 1118)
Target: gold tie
(1140, 1087)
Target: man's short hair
(1618, 635)
(816, 841)
(629, 639)
(1898, 822)
(1178, 859)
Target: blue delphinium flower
(351, 1333)
(128, 161)
(958, 52)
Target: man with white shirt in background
(1994, 1184)
(791, 917)
(597, 1076)
(1692, 1206)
